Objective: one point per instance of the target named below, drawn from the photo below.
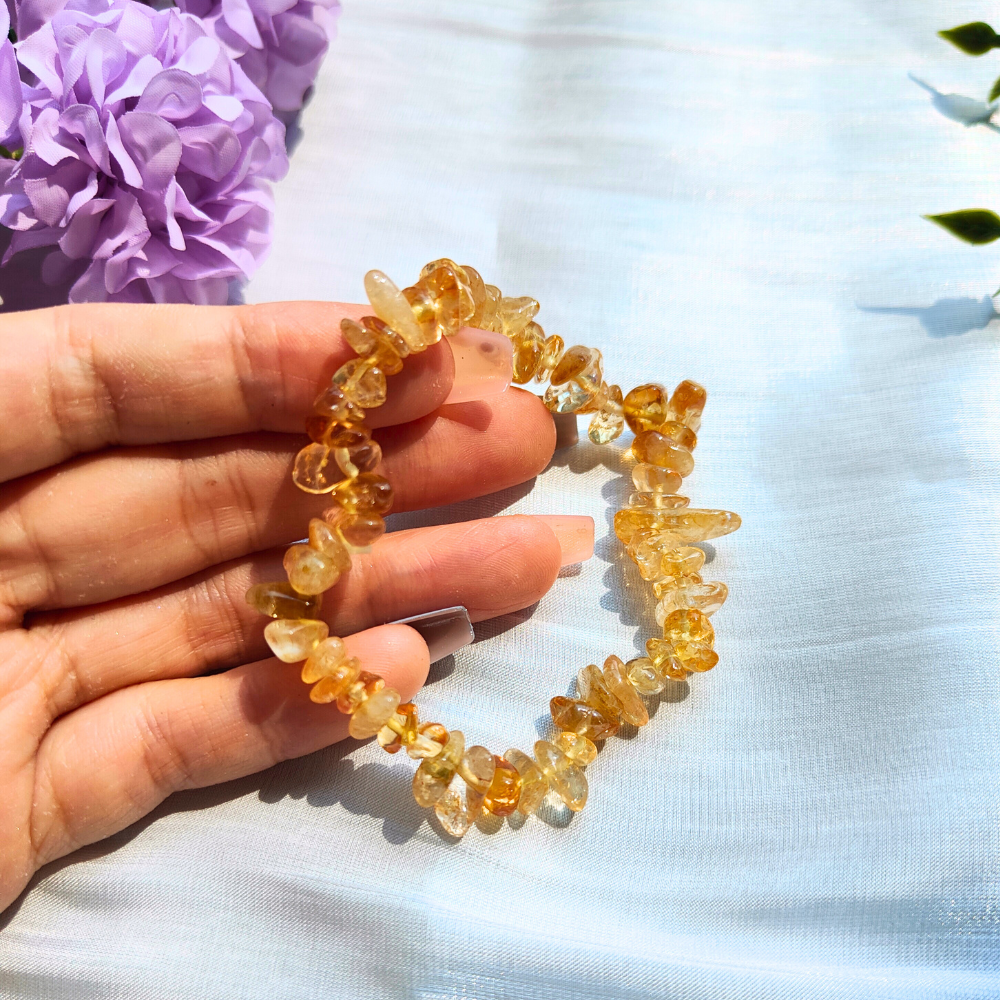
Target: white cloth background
(722, 190)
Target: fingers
(108, 764)
(492, 567)
(81, 377)
(130, 520)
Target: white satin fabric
(721, 190)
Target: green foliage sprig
(972, 225)
(975, 39)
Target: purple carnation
(278, 43)
(146, 155)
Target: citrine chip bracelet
(657, 527)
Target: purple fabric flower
(10, 87)
(278, 43)
(146, 154)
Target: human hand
(144, 461)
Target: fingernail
(566, 429)
(575, 533)
(484, 364)
(444, 631)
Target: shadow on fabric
(946, 317)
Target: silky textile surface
(721, 190)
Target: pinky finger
(109, 763)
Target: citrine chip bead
(658, 501)
(369, 493)
(403, 730)
(388, 740)
(458, 807)
(293, 639)
(369, 339)
(552, 351)
(684, 561)
(633, 710)
(445, 764)
(646, 407)
(645, 676)
(695, 657)
(577, 716)
(328, 689)
(476, 767)
(688, 625)
(564, 777)
(653, 448)
(477, 289)
(647, 553)
(675, 528)
(466, 297)
(390, 735)
(666, 586)
(362, 452)
(517, 314)
(373, 713)
(431, 737)
(391, 306)
(502, 796)
(534, 784)
(443, 284)
(608, 423)
(281, 600)
(426, 788)
(319, 427)
(576, 380)
(404, 722)
(652, 479)
(680, 434)
(421, 304)
(596, 401)
(358, 691)
(592, 688)
(333, 406)
(360, 531)
(688, 402)
(315, 470)
(309, 571)
(325, 660)
(527, 352)
(324, 539)
(573, 363)
(705, 597)
(362, 382)
(580, 749)
(664, 658)
(567, 398)
(487, 314)
(434, 773)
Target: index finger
(81, 377)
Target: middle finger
(121, 523)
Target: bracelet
(657, 528)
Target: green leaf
(973, 225)
(994, 91)
(975, 39)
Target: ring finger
(179, 509)
(491, 566)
